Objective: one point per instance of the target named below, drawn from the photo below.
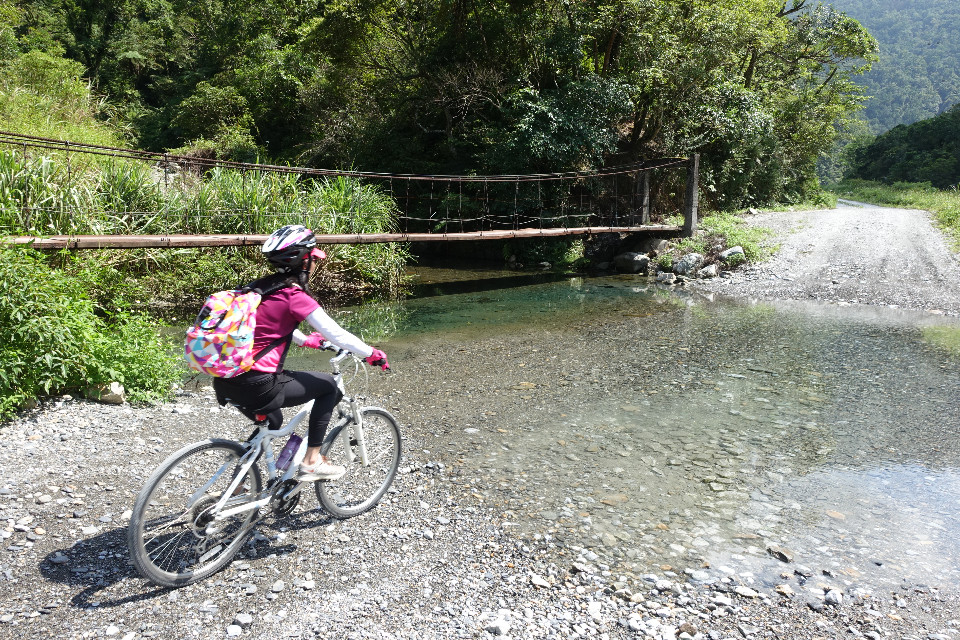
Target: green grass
(46, 96)
(726, 229)
(944, 204)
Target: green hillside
(757, 87)
(925, 151)
(918, 73)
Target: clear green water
(725, 427)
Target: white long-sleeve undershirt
(333, 332)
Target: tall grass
(42, 196)
(944, 204)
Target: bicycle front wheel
(362, 486)
(174, 536)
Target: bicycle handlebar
(342, 353)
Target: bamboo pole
(182, 241)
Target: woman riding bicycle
(268, 387)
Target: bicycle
(197, 508)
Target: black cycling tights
(302, 386)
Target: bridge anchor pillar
(691, 204)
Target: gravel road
(854, 254)
(437, 558)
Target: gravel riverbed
(438, 558)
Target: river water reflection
(727, 435)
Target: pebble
(571, 577)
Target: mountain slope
(918, 74)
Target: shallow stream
(733, 437)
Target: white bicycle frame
(262, 441)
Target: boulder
(709, 271)
(652, 245)
(112, 393)
(632, 262)
(665, 277)
(732, 251)
(688, 264)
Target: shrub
(56, 339)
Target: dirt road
(856, 254)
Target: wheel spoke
(172, 545)
(362, 485)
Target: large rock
(655, 246)
(709, 271)
(632, 262)
(112, 393)
(732, 251)
(665, 277)
(688, 264)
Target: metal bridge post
(691, 204)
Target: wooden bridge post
(691, 204)
(645, 206)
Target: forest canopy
(925, 151)
(917, 75)
(758, 87)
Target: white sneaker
(320, 470)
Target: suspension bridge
(430, 208)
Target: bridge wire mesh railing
(46, 188)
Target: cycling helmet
(289, 247)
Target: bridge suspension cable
(429, 207)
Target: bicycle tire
(362, 486)
(170, 541)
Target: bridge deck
(227, 240)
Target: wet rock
(781, 554)
(665, 277)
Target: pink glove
(378, 359)
(314, 340)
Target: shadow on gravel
(94, 565)
(97, 564)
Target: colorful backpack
(220, 342)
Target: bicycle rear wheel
(362, 486)
(173, 538)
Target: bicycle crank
(285, 497)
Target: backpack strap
(273, 345)
(266, 286)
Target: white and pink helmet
(290, 247)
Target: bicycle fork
(361, 443)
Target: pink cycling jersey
(281, 312)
